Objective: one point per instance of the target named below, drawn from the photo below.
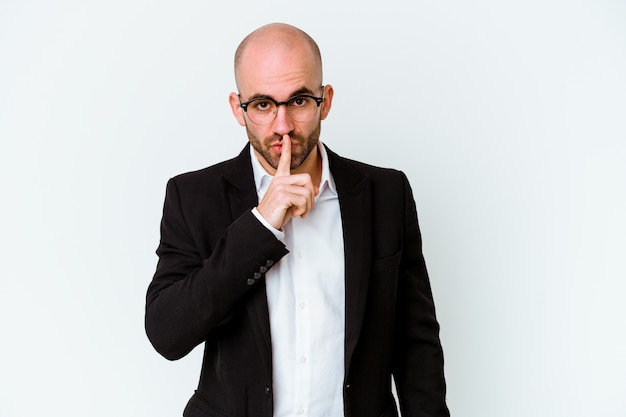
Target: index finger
(284, 163)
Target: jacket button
(257, 275)
(250, 281)
(269, 263)
(263, 269)
(267, 390)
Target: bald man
(301, 271)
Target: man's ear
(233, 100)
(328, 100)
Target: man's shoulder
(203, 174)
(387, 184)
(361, 167)
(217, 170)
(211, 179)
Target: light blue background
(508, 117)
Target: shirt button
(302, 305)
(300, 411)
(303, 359)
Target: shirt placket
(302, 327)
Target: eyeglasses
(263, 110)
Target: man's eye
(299, 101)
(262, 105)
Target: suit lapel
(241, 195)
(239, 185)
(355, 204)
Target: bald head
(274, 41)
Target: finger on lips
(297, 190)
(284, 163)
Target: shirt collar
(262, 179)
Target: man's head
(277, 62)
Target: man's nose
(282, 124)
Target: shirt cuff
(280, 235)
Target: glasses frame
(244, 105)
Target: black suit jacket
(204, 290)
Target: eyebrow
(303, 90)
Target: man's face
(266, 140)
(280, 74)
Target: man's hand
(288, 195)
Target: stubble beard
(305, 145)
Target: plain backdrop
(509, 118)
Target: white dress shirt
(306, 298)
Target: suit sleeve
(191, 296)
(418, 358)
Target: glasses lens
(262, 111)
(302, 108)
